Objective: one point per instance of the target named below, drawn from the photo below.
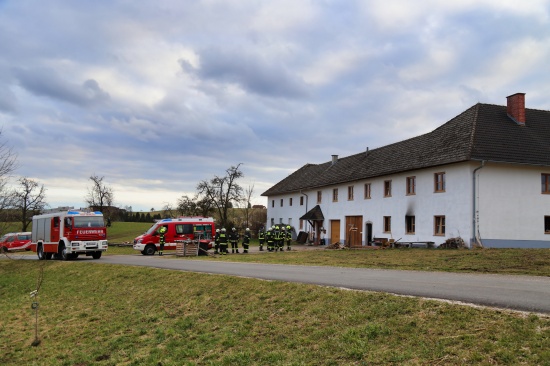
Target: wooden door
(354, 225)
(334, 231)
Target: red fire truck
(65, 235)
(182, 228)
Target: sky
(156, 96)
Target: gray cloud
(49, 83)
(253, 73)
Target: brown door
(354, 225)
(334, 231)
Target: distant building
(483, 176)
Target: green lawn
(98, 314)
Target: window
(387, 188)
(272, 222)
(545, 183)
(272, 203)
(301, 224)
(301, 200)
(439, 182)
(335, 195)
(439, 225)
(290, 201)
(290, 221)
(319, 196)
(411, 185)
(367, 190)
(547, 224)
(280, 220)
(387, 224)
(184, 229)
(281, 202)
(410, 224)
(350, 193)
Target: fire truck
(179, 229)
(65, 235)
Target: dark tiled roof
(314, 214)
(482, 132)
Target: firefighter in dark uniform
(223, 242)
(277, 237)
(269, 237)
(162, 232)
(234, 239)
(261, 238)
(246, 240)
(217, 242)
(288, 237)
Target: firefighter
(277, 236)
(223, 242)
(261, 238)
(282, 238)
(162, 231)
(269, 239)
(217, 242)
(288, 236)
(233, 239)
(246, 240)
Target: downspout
(474, 221)
(307, 199)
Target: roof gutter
(475, 228)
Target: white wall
(511, 205)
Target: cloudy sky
(156, 96)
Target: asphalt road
(524, 293)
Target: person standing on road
(217, 242)
(234, 239)
(288, 237)
(246, 240)
(223, 242)
(162, 232)
(261, 238)
(270, 238)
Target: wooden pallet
(187, 248)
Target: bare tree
(29, 200)
(99, 195)
(248, 192)
(8, 163)
(222, 192)
(168, 210)
(195, 206)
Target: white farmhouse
(483, 176)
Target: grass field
(115, 315)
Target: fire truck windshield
(88, 221)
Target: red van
(12, 242)
(182, 228)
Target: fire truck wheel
(40, 252)
(63, 253)
(96, 255)
(150, 250)
(3, 249)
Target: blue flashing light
(98, 213)
(72, 212)
(166, 220)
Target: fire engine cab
(65, 235)
(179, 229)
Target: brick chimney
(516, 108)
